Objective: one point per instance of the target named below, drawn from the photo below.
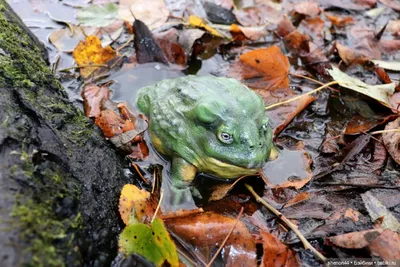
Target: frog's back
(185, 92)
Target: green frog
(206, 124)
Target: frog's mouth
(224, 169)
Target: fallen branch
(294, 228)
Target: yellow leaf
(90, 52)
(132, 203)
(198, 22)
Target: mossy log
(60, 180)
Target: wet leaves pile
(337, 175)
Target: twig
(83, 66)
(125, 44)
(311, 79)
(159, 204)
(300, 96)
(154, 180)
(226, 238)
(293, 227)
(138, 171)
(385, 131)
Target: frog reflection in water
(206, 124)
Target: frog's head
(235, 131)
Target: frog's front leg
(182, 175)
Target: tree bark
(60, 180)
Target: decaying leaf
(133, 206)
(90, 52)
(112, 124)
(378, 92)
(152, 242)
(392, 139)
(389, 65)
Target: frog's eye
(265, 125)
(225, 138)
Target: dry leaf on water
(134, 205)
(276, 253)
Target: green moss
(49, 237)
(22, 68)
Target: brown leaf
(339, 21)
(264, 68)
(112, 124)
(392, 140)
(349, 55)
(276, 253)
(355, 240)
(386, 246)
(207, 230)
(307, 8)
(173, 51)
(93, 97)
(257, 15)
(285, 27)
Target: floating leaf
(93, 96)
(132, 204)
(152, 242)
(276, 253)
(99, 16)
(379, 92)
(90, 52)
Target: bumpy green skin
(189, 116)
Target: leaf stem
(159, 204)
(293, 227)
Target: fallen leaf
(391, 3)
(147, 49)
(152, 242)
(264, 68)
(307, 8)
(66, 40)
(392, 140)
(93, 97)
(393, 27)
(251, 33)
(378, 92)
(112, 124)
(91, 52)
(259, 15)
(359, 124)
(206, 231)
(303, 196)
(153, 15)
(386, 246)
(355, 240)
(173, 51)
(133, 204)
(389, 65)
(339, 21)
(285, 27)
(195, 21)
(349, 55)
(377, 210)
(218, 14)
(98, 15)
(276, 253)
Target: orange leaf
(276, 253)
(132, 203)
(91, 52)
(112, 124)
(264, 68)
